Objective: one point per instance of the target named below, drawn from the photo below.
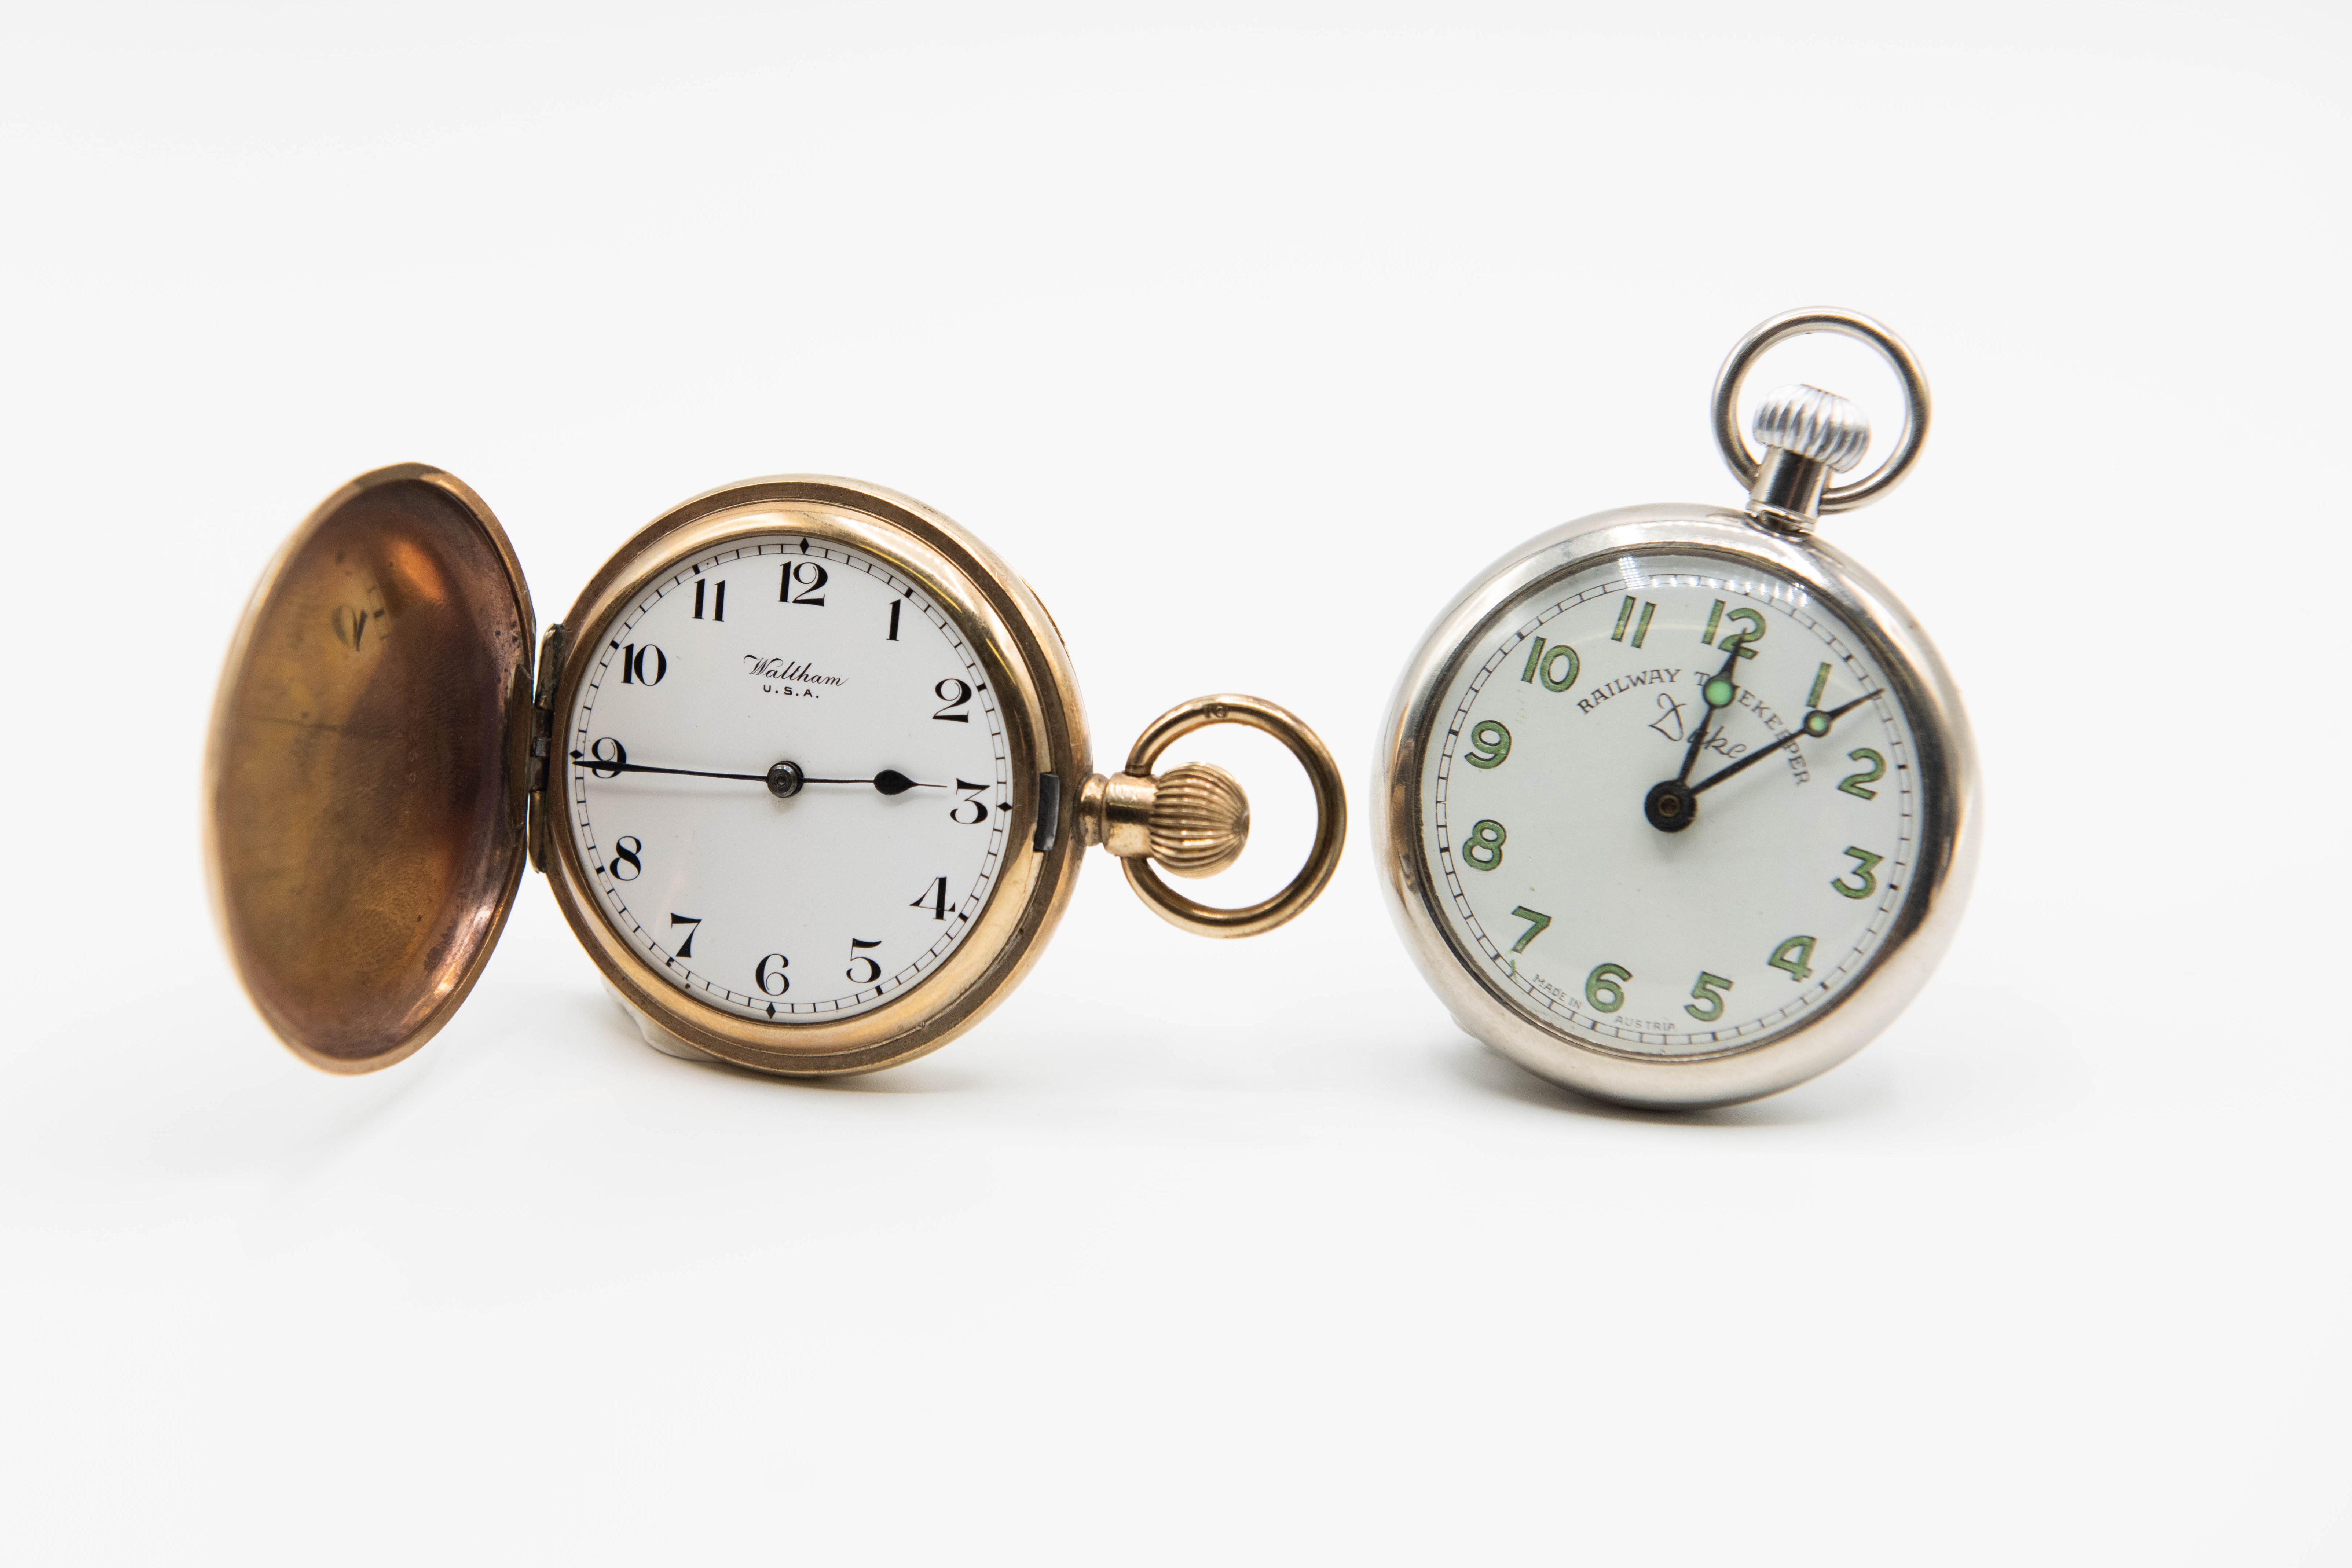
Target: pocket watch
(806, 767)
(1678, 805)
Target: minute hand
(599, 766)
(1816, 724)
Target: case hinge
(542, 731)
(1049, 813)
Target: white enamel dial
(1556, 885)
(828, 903)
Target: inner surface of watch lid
(364, 786)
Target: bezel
(1045, 731)
(1950, 829)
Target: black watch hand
(1671, 804)
(1815, 723)
(1718, 685)
(606, 769)
(889, 780)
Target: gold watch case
(379, 762)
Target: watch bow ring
(1788, 482)
(1193, 819)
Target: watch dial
(773, 654)
(1670, 806)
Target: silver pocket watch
(1677, 805)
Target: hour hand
(1672, 804)
(1718, 693)
(786, 780)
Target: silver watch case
(1951, 828)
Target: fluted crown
(1200, 820)
(1813, 423)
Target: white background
(1248, 335)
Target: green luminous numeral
(1851, 784)
(1821, 684)
(1862, 862)
(1743, 643)
(1490, 743)
(1796, 956)
(1625, 614)
(1709, 990)
(1541, 920)
(1484, 847)
(1739, 641)
(1557, 670)
(1602, 987)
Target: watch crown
(1813, 423)
(1193, 820)
(1200, 820)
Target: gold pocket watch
(806, 767)
(1677, 805)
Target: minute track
(783, 887)
(1676, 963)
(1561, 852)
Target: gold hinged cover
(363, 785)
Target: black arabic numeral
(626, 851)
(955, 694)
(717, 600)
(692, 924)
(873, 970)
(811, 575)
(774, 981)
(979, 807)
(632, 665)
(933, 898)
(894, 622)
(611, 766)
